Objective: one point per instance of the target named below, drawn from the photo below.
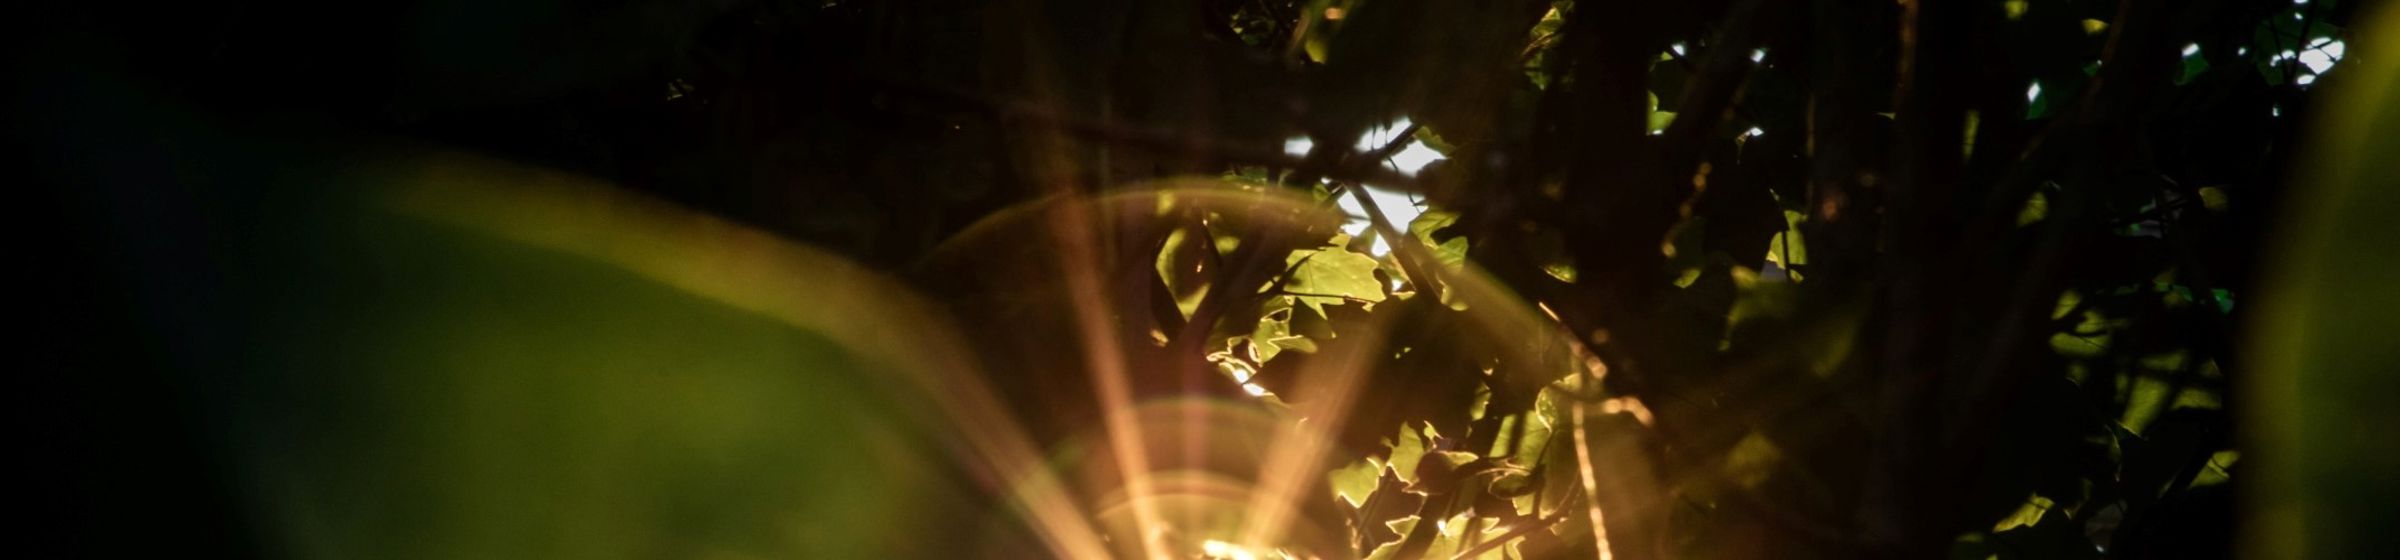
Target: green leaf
(2192, 67)
(1406, 452)
(2218, 471)
(2054, 536)
(1273, 335)
(1354, 482)
(2036, 207)
(1752, 460)
(2026, 515)
(1789, 242)
(2038, 104)
(2148, 396)
(2214, 198)
(1659, 121)
(1451, 253)
(1333, 276)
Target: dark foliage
(1874, 296)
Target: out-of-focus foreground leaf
(2321, 416)
(403, 356)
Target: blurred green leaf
(1332, 276)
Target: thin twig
(1352, 299)
(1405, 248)
(1591, 482)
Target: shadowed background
(296, 298)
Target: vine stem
(1404, 247)
(1591, 483)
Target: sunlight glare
(1414, 158)
(2320, 59)
(1222, 550)
(1397, 206)
(1298, 146)
(1376, 137)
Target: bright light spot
(1758, 55)
(1677, 47)
(1357, 226)
(1237, 369)
(1755, 132)
(1395, 206)
(1408, 160)
(2306, 79)
(1298, 146)
(1375, 138)
(2275, 111)
(1256, 391)
(2285, 55)
(2299, 2)
(2320, 59)
(2316, 61)
(2034, 92)
(1413, 158)
(2191, 49)
(2241, 51)
(1226, 551)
